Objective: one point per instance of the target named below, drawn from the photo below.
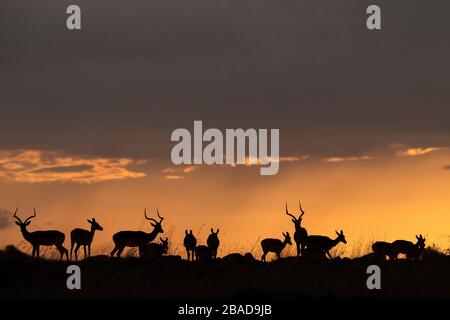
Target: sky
(86, 116)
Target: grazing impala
(409, 249)
(41, 238)
(381, 249)
(274, 245)
(300, 234)
(124, 239)
(83, 238)
(322, 245)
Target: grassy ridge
(236, 276)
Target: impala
(274, 245)
(300, 234)
(41, 238)
(155, 250)
(409, 249)
(213, 243)
(190, 243)
(83, 238)
(382, 249)
(202, 253)
(322, 245)
(124, 239)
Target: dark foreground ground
(236, 277)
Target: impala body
(274, 245)
(190, 243)
(213, 243)
(202, 253)
(41, 238)
(300, 234)
(383, 249)
(84, 238)
(155, 250)
(322, 245)
(124, 239)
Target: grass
(174, 278)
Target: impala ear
(89, 221)
(185, 231)
(167, 239)
(93, 219)
(191, 231)
(28, 223)
(212, 231)
(217, 231)
(161, 239)
(337, 233)
(17, 223)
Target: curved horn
(160, 218)
(287, 212)
(151, 219)
(15, 215)
(301, 209)
(31, 217)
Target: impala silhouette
(41, 238)
(124, 239)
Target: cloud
(252, 161)
(349, 158)
(189, 169)
(446, 167)
(414, 152)
(37, 166)
(4, 218)
(173, 177)
(177, 173)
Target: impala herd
(306, 245)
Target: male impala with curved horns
(124, 239)
(300, 234)
(41, 238)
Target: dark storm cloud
(140, 69)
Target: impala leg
(76, 251)
(119, 252)
(188, 254)
(84, 249)
(298, 248)
(34, 251)
(37, 251)
(114, 250)
(263, 258)
(89, 250)
(329, 255)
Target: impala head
(165, 244)
(95, 225)
(155, 224)
(23, 224)
(420, 241)
(287, 238)
(341, 237)
(296, 221)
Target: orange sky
(382, 196)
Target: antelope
(300, 234)
(411, 250)
(83, 238)
(322, 244)
(41, 238)
(274, 245)
(213, 243)
(155, 250)
(124, 239)
(382, 249)
(190, 243)
(202, 253)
